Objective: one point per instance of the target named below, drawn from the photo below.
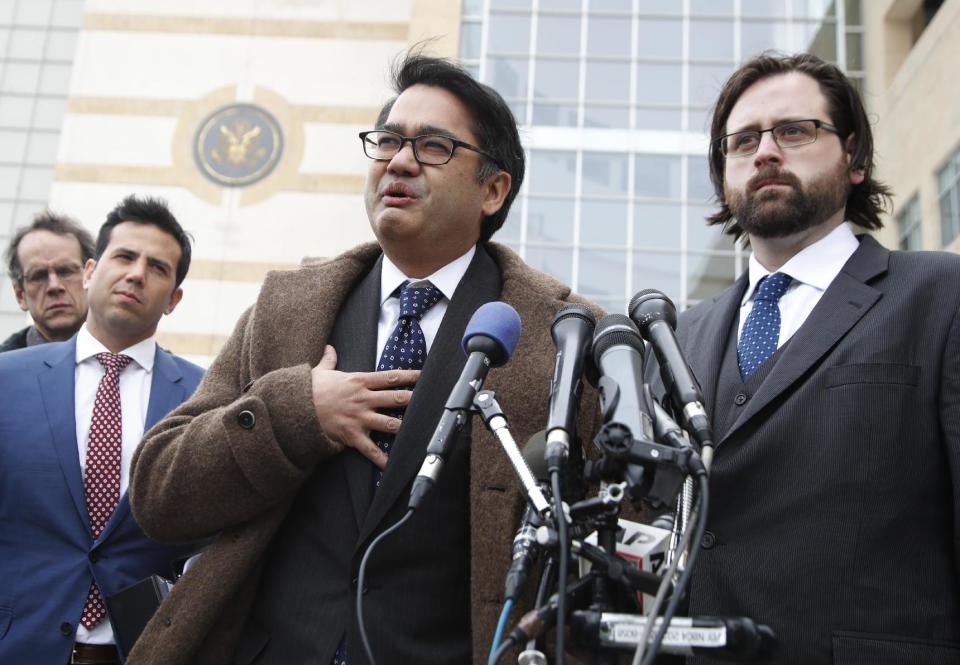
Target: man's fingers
(366, 447)
(383, 423)
(392, 378)
(329, 359)
(389, 399)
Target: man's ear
(21, 297)
(858, 174)
(495, 191)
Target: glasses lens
(741, 143)
(434, 149)
(381, 145)
(795, 133)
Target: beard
(777, 214)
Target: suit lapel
(843, 304)
(56, 389)
(355, 331)
(166, 394)
(445, 361)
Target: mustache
(776, 175)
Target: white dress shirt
(135, 382)
(813, 269)
(446, 280)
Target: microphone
(525, 549)
(489, 340)
(572, 332)
(656, 318)
(618, 355)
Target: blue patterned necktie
(406, 348)
(761, 330)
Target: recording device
(656, 319)
(133, 606)
(572, 332)
(489, 340)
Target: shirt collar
(815, 265)
(446, 279)
(142, 353)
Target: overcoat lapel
(843, 304)
(56, 389)
(480, 284)
(357, 323)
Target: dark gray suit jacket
(835, 492)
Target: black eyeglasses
(432, 149)
(787, 135)
(41, 276)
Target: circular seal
(237, 145)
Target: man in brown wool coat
(275, 457)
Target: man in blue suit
(73, 413)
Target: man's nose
(405, 161)
(768, 150)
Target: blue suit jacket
(47, 551)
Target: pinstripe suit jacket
(835, 492)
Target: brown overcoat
(199, 473)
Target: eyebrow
(420, 130)
(755, 126)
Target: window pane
(608, 36)
(775, 8)
(510, 4)
(15, 111)
(658, 119)
(699, 187)
(657, 271)
(555, 115)
(552, 172)
(608, 81)
(706, 82)
(49, 112)
(711, 40)
(610, 6)
(821, 40)
(709, 275)
(470, 40)
(658, 84)
(556, 262)
(556, 79)
(9, 179)
(603, 273)
(36, 182)
(949, 221)
(55, 79)
(815, 9)
(853, 15)
(711, 7)
(14, 146)
(698, 120)
(603, 116)
(603, 222)
(42, 148)
(660, 38)
(657, 176)
(21, 77)
(510, 231)
(854, 51)
(550, 220)
(558, 35)
(759, 36)
(661, 7)
(26, 44)
(605, 173)
(508, 76)
(61, 45)
(701, 237)
(508, 33)
(67, 13)
(472, 7)
(33, 12)
(657, 225)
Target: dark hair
(493, 123)
(151, 211)
(868, 199)
(54, 223)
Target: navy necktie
(406, 348)
(761, 330)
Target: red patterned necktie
(102, 479)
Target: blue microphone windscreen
(499, 322)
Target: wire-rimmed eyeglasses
(787, 135)
(431, 149)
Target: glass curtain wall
(613, 98)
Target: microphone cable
(361, 576)
(498, 634)
(564, 555)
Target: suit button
(740, 399)
(66, 629)
(246, 419)
(94, 556)
(708, 541)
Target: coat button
(66, 629)
(740, 399)
(246, 419)
(94, 556)
(708, 541)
